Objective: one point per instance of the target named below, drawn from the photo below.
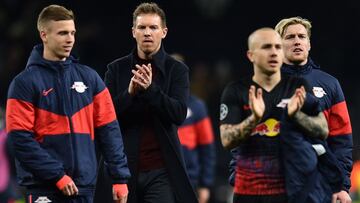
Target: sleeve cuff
(120, 190)
(63, 181)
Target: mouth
(147, 41)
(273, 63)
(67, 48)
(297, 50)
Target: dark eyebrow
(266, 46)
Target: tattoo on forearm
(314, 126)
(231, 135)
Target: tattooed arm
(313, 126)
(232, 135)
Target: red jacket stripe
(20, 115)
(338, 119)
(205, 130)
(82, 122)
(104, 108)
(48, 123)
(187, 136)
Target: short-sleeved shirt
(259, 169)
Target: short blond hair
(286, 22)
(55, 13)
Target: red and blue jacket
(56, 111)
(332, 101)
(197, 140)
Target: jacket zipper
(66, 107)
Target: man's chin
(297, 61)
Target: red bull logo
(270, 128)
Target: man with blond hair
(295, 33)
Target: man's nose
(147, 31)
(297, 40)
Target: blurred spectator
(197, 139)
(355, 179)
(8, 189)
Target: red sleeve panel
(205, 131)
(20, 115)
(187, 136)
(338, 119)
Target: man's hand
(141, 79)
(133, 87)
(67, 186)
(296, 101)
(120, 193)
(256, 102)
(204, 194)
(341, 197)
(142, 76)
(70, 189)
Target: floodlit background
(210, 34)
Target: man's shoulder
(175, 63)
(27, 75)
(119, 61)
(324, 80)
(240, 85)
(87, 70)
(322, 75)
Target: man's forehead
(295, 29)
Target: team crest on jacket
(223, 111)
(189, 113)
(42, 199)
(318, 92)
(79, 87)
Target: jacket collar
(158, 59)
(298, 69)
(36, 59)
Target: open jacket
(166, 98)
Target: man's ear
(133, 32)
(249, 55)
(43, 35)
(165, 30)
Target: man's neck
(267, 82)
(48, 55)
(144, 56)
(296, 63)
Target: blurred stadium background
(210, 34)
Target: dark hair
(149, 8)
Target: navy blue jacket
(311, 176)
(332, 101)
(55, 112)
(197, 139)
